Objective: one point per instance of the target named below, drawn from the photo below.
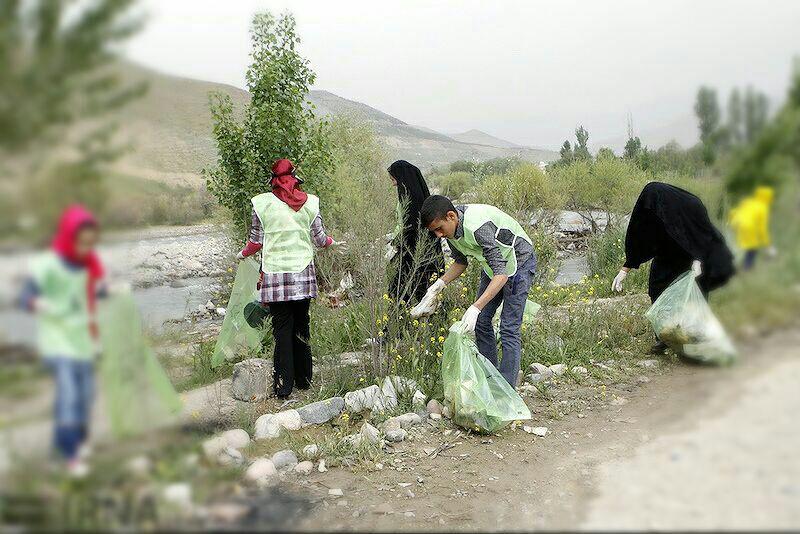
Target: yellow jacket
(750, 219)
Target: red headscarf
(72, 220)
(286, 186)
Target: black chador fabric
(409, 283)
(671, 227)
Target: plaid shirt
(282, 287)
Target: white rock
(541, 369)
(284, 459)
(304, 468)
(178, 494)
(354, 440)
(647, 364)
(260, 469)
(267, 427)
(370, 434)
(558, 369)
(540, 431)
(230, 456)
(237, 438)
(322, 467)
(335, 492)
(363, 399)
(210, 305)
(311, 451)
(535, 378)
(418, 400)
(212, 447)
(139, 465)
(434, 406)
(289, 419)
(578, 370)
(221, 312)
(435, 416)
(446, 413)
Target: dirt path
(693, 447)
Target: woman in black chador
(671, 227)
(418, 253)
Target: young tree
(735, 117)
(566, 152)
(632, 149)
(708, 115)
(59, 80)
(756, 113)
(582, 149)
(279, 122)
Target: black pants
(291, 330)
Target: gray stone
(396, 435)
(260, 469)
(540, 431)
(648, 364)
(541, 369)
(370, 434)
(212, 447)
(354, 440)
(446, 412)
(250, 379)
(322, 411)
(304, 468)
(335, 492)
(436, 416)
(434, 406)
(558, 369)
(284, 459)
(578, 370)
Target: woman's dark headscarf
(672, 227)
(410, 279)
(411, 192)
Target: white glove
(390, 252)
(697, 267)
(239, 256)
(469, 319)
(616, 285)
(429, 302)
(120, 288)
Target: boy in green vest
(505, 252)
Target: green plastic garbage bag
(683, 320)
(138, 393)
(528, 316)
(479, 397)
(236, 334)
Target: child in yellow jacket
(750, 221)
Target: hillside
(478, 137)
(169, 131)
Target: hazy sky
(526, 71)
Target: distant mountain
(169, 130)
(478, 137)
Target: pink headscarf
(72, 220)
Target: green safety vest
(287, 244)
(475, 216)
(63, 326)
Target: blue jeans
(513, 296)
(72, 409)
